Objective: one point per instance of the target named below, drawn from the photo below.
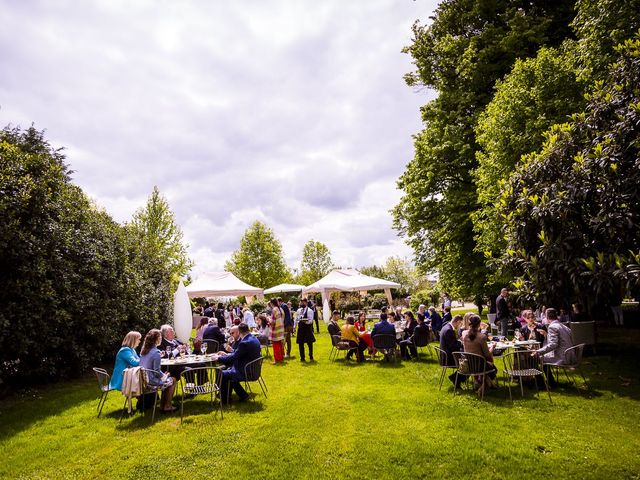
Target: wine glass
(203, 348)
(516, 334)
(168, 352)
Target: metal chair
(201, 381)
(147, 388)
(385, 343)
(471, 365)
(442, 360)
(264, 344)
(212, 345)
(572, 362)
(253, 373)
(520, 364)
(339, 345)
(421, 340)
(103, 384)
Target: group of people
(241, 349)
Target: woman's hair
(409, 314)
(274, 302)
(362, 314)
(131, 338)
(351, 320)
(263, 320)
(420, 317)
(465, 320)
(474, 325)
(150, 341)
(204, 321)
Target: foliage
(427, 297)
(572, 212)
(538, 93)
(259, 261)
(258, 306)
(316, 262)
(469, 45)
(377, 300)
(401, 271)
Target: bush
(428, 297)
(378, 300)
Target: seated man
(436, 322)
(383, 327)
(333, 327)
(170, 341)
(449, 343)
(213, 332)
(558, 340)
(248, 349)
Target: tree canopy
(316, 262)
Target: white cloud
(293, 113)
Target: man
(219, 314)
(333, 327)
(449, 343)
(316, 315)
(305, 329)
(503, 314)
(383, 327)
(288, 326)
(248, 318)
(422, 309)
(436, 322)
(169, 340)
(446, 301)
(213, 332)
(232, 343)
(447, 315)
(558, 340)
(248, 349)
(208, 310)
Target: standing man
(503, 315)
(248, 318)
(446, 301)
(288, 326)
(305, 329)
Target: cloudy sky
(294, 113)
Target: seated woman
(125, 358)
(407, 348)
(351, 334)
(361, 325)
(532, 330)
(150, 360)
(476, 342)
(264, 329)
(197, 343)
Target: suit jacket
(558, 340)
(174, 344)
(502, 308)
(449, 343)
(447, 318)
(436, 322)
(383, 328)
(213, 332)
(334, 329)
(248, 349)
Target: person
(559, 339)
(391, 317)
(351, 334)
(213, 332)
(228, 315)
(248, 318)
(197, 342)
(422, 309)
(277, 331)
(616, 309)
(288, 326)
(125, 358)
(219, 314)
(464, 325)
(436, 322)
(383, 327)
(333, 327)
(316, 315)
(503, 314)
(446, 302)
(208, 310)
(305, 335)
(247, 350)
(447, 315)
(150, 360)
(170, 343)
(232, 342)
(361, 325)
(532, 330)
(407, 348)
(565, 315)
(449, 343)
(476, 342)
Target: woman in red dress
(361, 325)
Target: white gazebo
(347, 280)
(284, 288)
(222, 284)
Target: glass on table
(203, 348)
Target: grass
(341, 420)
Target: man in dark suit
(503, 315)
(449, 343)
(383, 327)
(436, 322)
(248, 349)
(333, 327)
(213, 332)
(169, 340)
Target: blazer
(383, 328)
(334, 328)
(502, 308)
(125, 358)
(558, 340)
(151, 361)
(213, 332)
(174, 344)
(248, 350)
(436, 322)
(449, 343)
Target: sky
(294, 113)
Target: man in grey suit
(558, 340)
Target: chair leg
(102, 401)
(155, 402)
(260, 382)
(442, 377)
(510, 381)
(521, 387)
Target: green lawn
(341, 420)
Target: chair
(385, 343)
(201, 381)
(338, 345)
(572, 362)
(471, 365)
(492, 322)
(420, 340)
(442, 360)
(212, 345)
(584, 332)
(253, 373)
(520, 364)
(103, 384)
(146, 388)
(264, 343)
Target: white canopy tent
(222, 284)
(284, 288)
(348, 280)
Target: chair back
(253, 370)
(442, 357)
(200, 380)
(335, 340)
(573, 355)
(522, 361)
(212, 345)
(384, 341)
(103, 379)
(470, 363)
(583, 332)
(421, 339)
(264, 340)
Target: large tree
(316, 262)
(259, 261)
(469, 45)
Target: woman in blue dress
(125, 358)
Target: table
(189, 360)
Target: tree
(400, 270)
(259, 261)
(316, 262)
(469, 45)
(572, 211)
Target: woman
(125, 358)
(531, 330)
(277, 331)
(407, 340)
(350, 333)
(197, 343)
(476, 342)
(464, 327)
(264, 330)
(150, 360)
(361, 325)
